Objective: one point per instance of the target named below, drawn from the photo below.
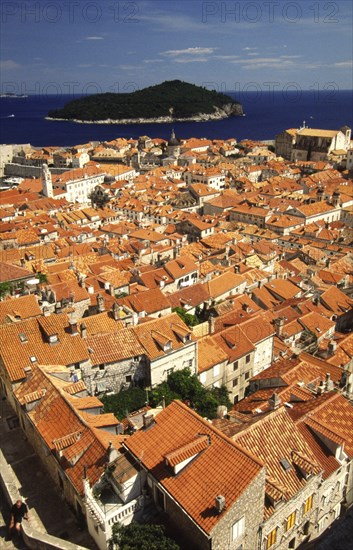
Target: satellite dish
(33, 282)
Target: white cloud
(153, 60)
(191, 60)
(188, 51)
(94, 38)
(343, 64)
(8, 64)
(281, 62)
(227, 57)
(248, 49)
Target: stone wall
(278, 520)
(34, 539)
(250, 506)
(114, 375)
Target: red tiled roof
(173, 429)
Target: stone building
(305, 144)
(141, 355)
(215, 510)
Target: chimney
(58, 308)
(332, 347)
(112, 452)
(328, 262)
(279, 324)
(328, 382)
(211, 324)
(46, 311)
(73, 330)
(220, 503)
(28, 372)
(274, 402)
(221, 411)
(321, 388)
(23, 262)
(100, 303)
(115, 311)
(83, 330)
(236, 269)
(245, 307)
(148, 420)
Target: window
(247, 375)
(247, 360)
(235, 365)
(271, 538)
(290, 521)
(238, 528)
(308, 504)
(235, 382)
(216, 370)
(203, 377)
(101, 366)
(128, 379)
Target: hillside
(171, 100)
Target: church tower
(173, 147)
(47, 184)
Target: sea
(267, 113)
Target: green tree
(140, 537)
(5, 288)
(189, 319)
(125, 401)
(42, 277)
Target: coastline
(202, 117)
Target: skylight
(285, 464)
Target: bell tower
(47, 184)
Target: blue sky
(89, 46)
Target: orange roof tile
(172, 430)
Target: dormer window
(23, 338)
(168, 346)
(163, 341)
(33, 359)
(53, 339)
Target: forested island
(170, 101)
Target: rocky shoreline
(158, 120)
(219, 114)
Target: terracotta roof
(21, 341)
(176, 427)
(151, 333)
(322, 453)
(210, 353)
(150, 301)
(200, 443)
(224, 283)
(113, 347)
(63, 428)
(273, 438)
(10, 272)
(316, 323)
(338, 302)
(15, 309)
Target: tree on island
(140, 537)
